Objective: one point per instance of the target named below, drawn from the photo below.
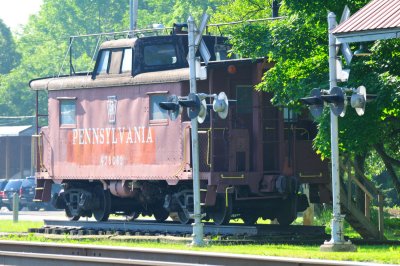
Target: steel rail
(173, 228)
(40, 259)
(101, 255)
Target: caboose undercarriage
(157, 198)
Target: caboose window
(127, 61)
(244, 96)
(159, 54)
(67, 112)
(156, 113)
(115, 62)
(103, 62)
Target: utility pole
(337, 242)
(275, 8)
(197, 225)
(133, 13)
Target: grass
(378, 254)
(8, 226)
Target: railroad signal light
(314, 102)
(359, 100)
(221, 105)
(196, 105)
(337, 100)
(172, 106)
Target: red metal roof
(375, 16)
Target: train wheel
(222, 211)
(174, 216)
(183, 218)
(160, 214)
(70, 216)
(132, 216)
(249, 218)
(103, 212)
(288, 212)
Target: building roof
(379, 19)
(15, 131)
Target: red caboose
(115, 150)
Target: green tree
(44, 42)
(9, 57)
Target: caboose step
(43, 190)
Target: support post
(133, 11)
(380, 216)
(197, 225)
(367, 211)
(15, 205)
(337, 242)
(308, 214)
(7, 155)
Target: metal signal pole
(197, 225)
(133, 13)
(337, 242)
(337, 221)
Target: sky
(16, 12)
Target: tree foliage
(8, 55)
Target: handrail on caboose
(142, 32)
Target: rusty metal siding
(75, 154)
(377, 15)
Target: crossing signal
(221, 105)
(314, 102)
(196, 105)
(359, 100)
(337, 99)
(172, 106)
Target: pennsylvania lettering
(112, 135)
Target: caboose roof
(118, 43)
(85, 81)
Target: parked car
(27, 194)
(3, 183)
(13, 186)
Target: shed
(15, 150)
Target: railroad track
(234, 232)
(32, 254)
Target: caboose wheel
(103, 211)
(249, 218)
(288, 211)
(70, 216)
(160, 214)
(183, 218)
(132, 216)
(222, 211)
